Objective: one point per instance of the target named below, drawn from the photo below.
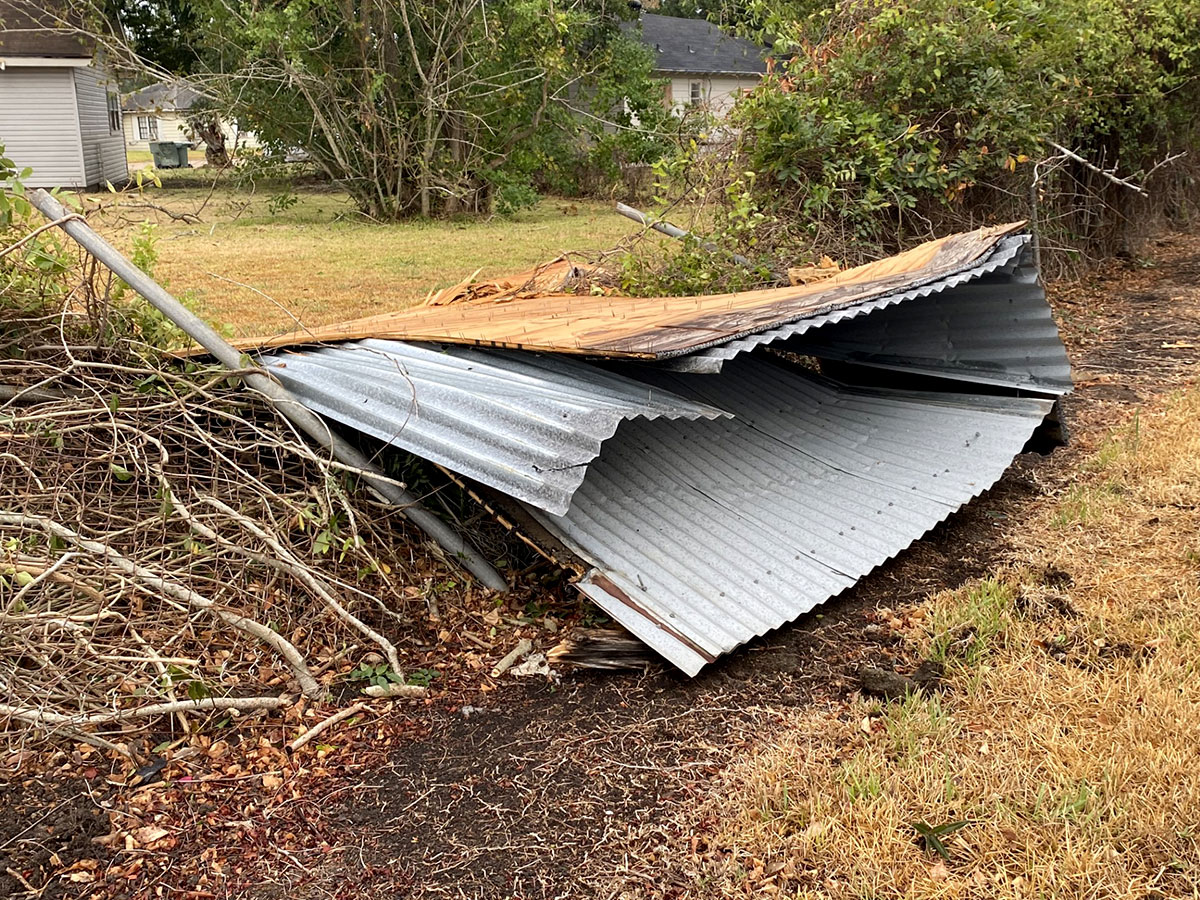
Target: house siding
(719, 92)
(103, 148)
(39, 124)
(171, 127)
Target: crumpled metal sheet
(704, 535)
(524, 424)
(989, 324)
(713, 508)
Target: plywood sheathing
(646, 327)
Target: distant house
(159, 113)
(705, 67)
(60, 112)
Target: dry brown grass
(1068, 737)
(319, 261)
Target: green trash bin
(169, 154)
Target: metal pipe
(679, 234)
(455, 545)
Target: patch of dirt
(46, 831)
(521, 796)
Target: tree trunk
(427, 151)
(207, 127)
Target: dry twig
(326, 724)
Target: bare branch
(287, 650)
(326, 724)
(206, 704)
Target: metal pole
(679, 234)
(299, 415)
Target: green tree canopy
(415, 106)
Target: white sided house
(160, 112)
(60, 111)
(705, 68)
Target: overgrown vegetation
(885, 122)
(171, 554)
(423, 108)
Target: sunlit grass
(255, 263)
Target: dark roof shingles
(697, 46)
(162, 96)
(30, 29)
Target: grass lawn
(253, 266)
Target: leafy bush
(733, 218)
(416, 107)
(32, 265)
(40, 274)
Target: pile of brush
(170, 550)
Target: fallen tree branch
(664, 227)
(326, 724)
(391, 689)
(299, 416)
(1123, 182)
(313, 583)
(207, 704)
(524, 646)
(12, 393)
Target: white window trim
(150, 132)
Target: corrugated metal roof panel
(705, 535)
(524, 424)
(1002, 258)
(989, 325)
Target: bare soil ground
(523, 789)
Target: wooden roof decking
(647, 327)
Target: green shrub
(32, 266)
(40, 275)
(886, 121)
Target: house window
(147, 128)
(114, 112)
(697, 95)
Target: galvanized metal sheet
(705, 535)
(987, 325)
(524, 424)
(991, 331)
(1003, 258)
(714, 509)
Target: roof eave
(58, 62)
(733, 74)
